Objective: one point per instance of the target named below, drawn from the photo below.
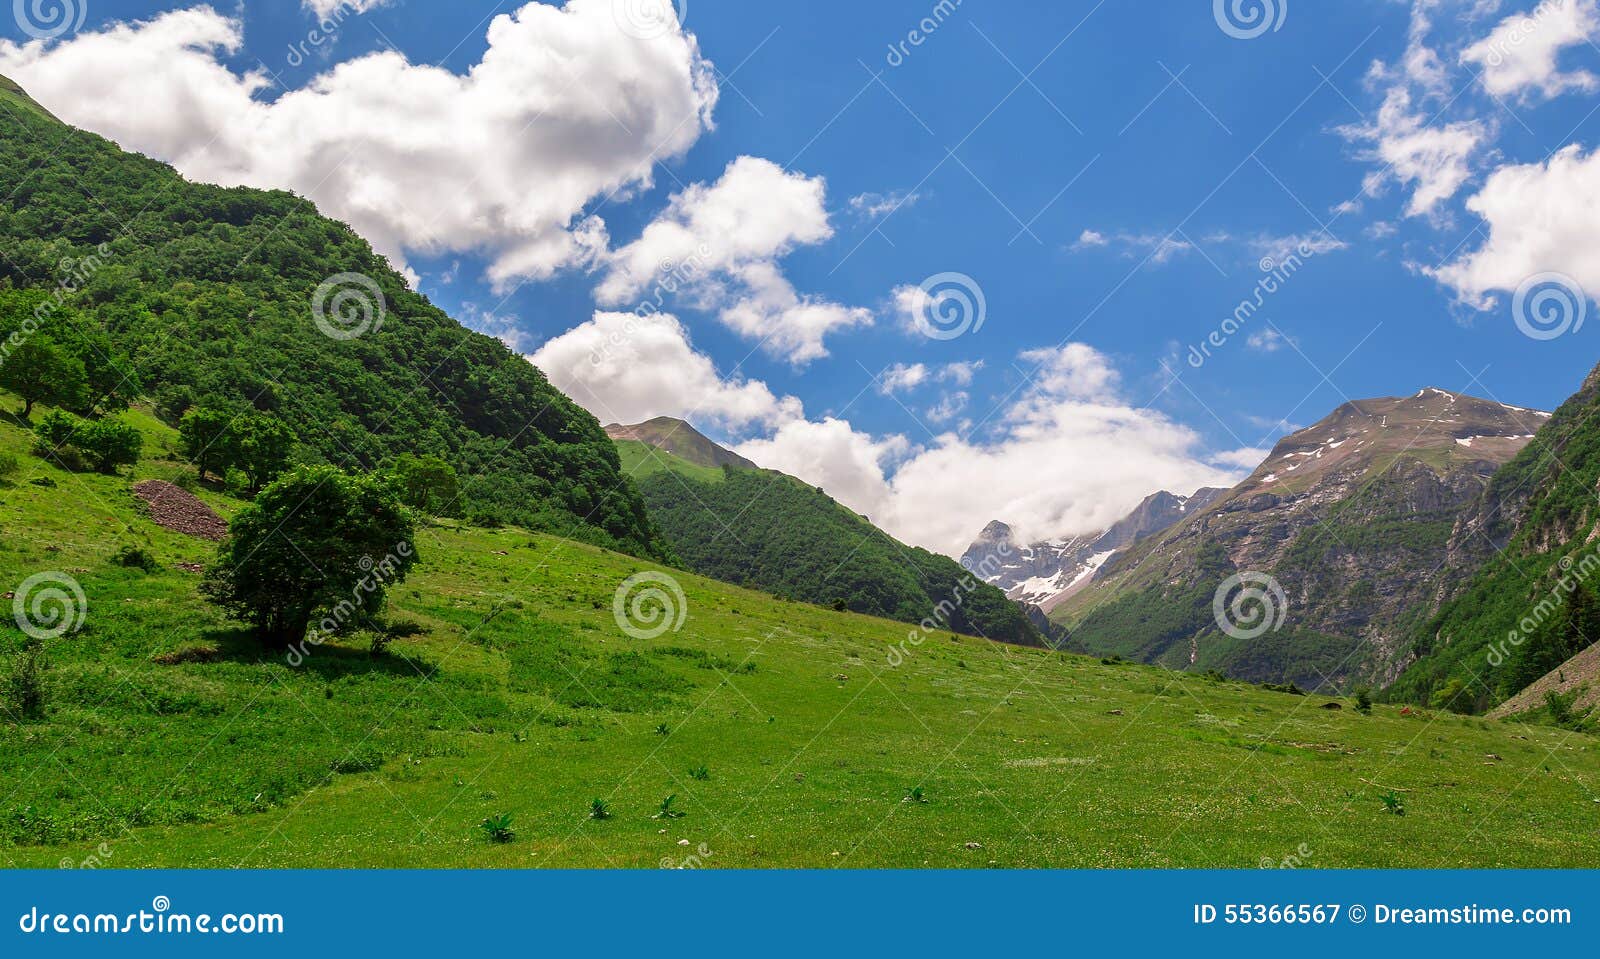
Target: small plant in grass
(1393, 803)
(599, 809)
(916, 795)
(1364, 701)
(701, 772)
(668, 808)
(498, 829)
(662, 729)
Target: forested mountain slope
(197, 295)
(1532, 605)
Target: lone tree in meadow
(316, 540)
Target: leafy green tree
(207, 440)
(264, 445)
(314, 539)
(102, 445)
(39, 371)
(108, 444)
(425, 483)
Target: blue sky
(1109, 175)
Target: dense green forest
(1533, 605)
(771, 532)
(123, 280)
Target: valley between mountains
(630, 646)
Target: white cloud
(901, 378)
(1432, 158)
(949, 407)
(1280, 248)
(564, 107)
(876, 206)
(960, 374)
(718, 246)
(1242, 459)
(1541, 217)
(627, 368)
(1072, 456)
(1521, 56)
(325, 9)
(1268, 341)
(1150, 246)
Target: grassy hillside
(772, 532)
(782, 730)
(205, 296)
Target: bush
(135, 557)
(1364, 701)
(9, 467)
(316, 541)
(102, 445)
(24, 684)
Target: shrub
(135, 557)
(103, 445)
(1364, 701)
(9, 466)
(24, 686)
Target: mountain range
(730, 520)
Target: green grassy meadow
(783, 731)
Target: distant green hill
(769, 531)
(206, 294)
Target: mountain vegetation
(120, 280)
(1533, 603)
(769, 531)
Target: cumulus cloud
(1071, 456)
(627, 368)
(720, 244)
(1521, 56)
(901, 378)
(563, 108)
(1433, 159)
(1540, 217)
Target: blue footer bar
(789, 913)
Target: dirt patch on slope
(178, 510)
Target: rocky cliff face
(1349, 524)
(1049, 572)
